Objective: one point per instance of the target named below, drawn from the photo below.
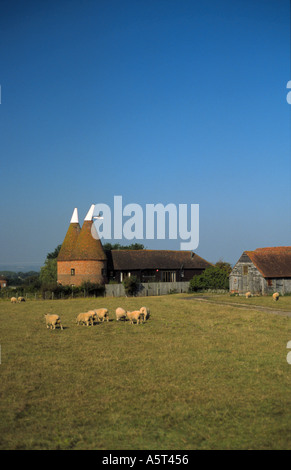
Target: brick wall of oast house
(89, 270)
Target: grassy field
(197, 375)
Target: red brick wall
(84, 271)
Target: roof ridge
(144, 249)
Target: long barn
(154, 265)
(262, 271)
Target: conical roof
(71, 237)
(88, 245)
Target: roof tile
(272, 261)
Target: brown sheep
(52, 321)
(13, 300)
(248, 294)
(276, 296)
(21, 299)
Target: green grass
(195, 376)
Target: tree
(117, 246)
(48, 273)
(32, 283)
(224, 266)
(54, 254)
(131, 285)
(212, 278)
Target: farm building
(154, 265)
(82, 258)
(262, 271)
(3, 283)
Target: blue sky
(159, 101)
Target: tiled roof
(273, 261)
(154, 259)
(87, 247)
(69, 242)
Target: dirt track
(237, 305)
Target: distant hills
(18, 278)
(16, 275)
(9, 268)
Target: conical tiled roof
(70, 238)
(88, 247)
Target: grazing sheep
(52, 321)
(13, 300)
(136, 315)
(120, 313)
(146, 312)
(86, 318)
(94, 316)
(101, 314)
(21, 299)
(276, 296)
(248, 294)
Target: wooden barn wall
(253, 281)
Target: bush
(87, 289)
(91, 289)
(131, 285)
(212, 278)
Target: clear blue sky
(160, 101)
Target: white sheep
(276, 296)
(86, 318)
(120, 313)
(52, 321)
(146, 312)
(136, 315)
(248, 294)
(13, 300)
(102, 314)
(93, 315)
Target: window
(245, 270)
(169, 276)
(269, 282)
(72, 272)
